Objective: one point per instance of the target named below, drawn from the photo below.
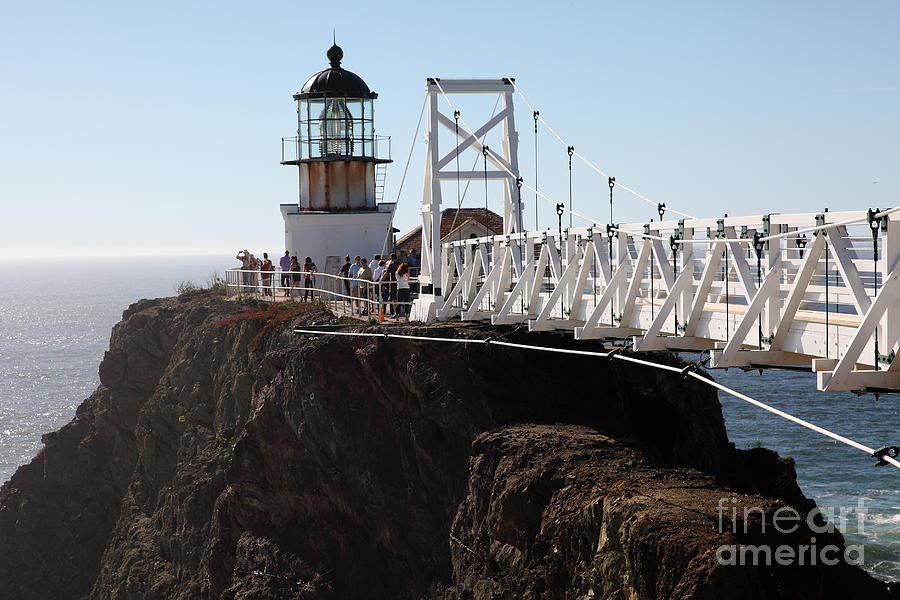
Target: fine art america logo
(786, 520)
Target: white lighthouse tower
(341, 164)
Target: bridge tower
(341, 170)
(505, 168)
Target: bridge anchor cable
(885, 455)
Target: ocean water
(56, 317)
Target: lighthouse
(341, 164)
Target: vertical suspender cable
(612, 184)
(521, 254)
(458, 188)
(536, 115)
(559, 246)
(727, 290)
(827, 299)
(758, 247)
(571, 151)
(674, 245)
(484, 150)
(560, 208)
(524, 243)
(874, 225)
(458, 195)
(875, 295)
(652, 292)
(727, 299)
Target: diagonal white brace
(769, 286)
(886, 297)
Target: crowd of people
(382, 281)
(385, 281)
(294, 276)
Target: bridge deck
(766, 290)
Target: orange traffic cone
(381, 312)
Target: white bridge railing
(813, 290)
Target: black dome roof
(335, 81)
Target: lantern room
(335, 113)
(336, 147)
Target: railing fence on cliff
(365, 296)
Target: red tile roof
(488, 218)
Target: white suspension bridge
(816, 290)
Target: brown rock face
(225, 457)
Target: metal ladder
(380, 174)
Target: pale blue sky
(155, 127)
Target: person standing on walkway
(390, 277)
(267, 269)
(344, 273)
(364, 276)
(377, 270)
(354, 282)
(296, 275)
(413, 262)
(285, 264)
(246, 265)
(309, 281)
(403, 294)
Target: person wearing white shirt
(403, 291)
(377, 271)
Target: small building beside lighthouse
(341, 166)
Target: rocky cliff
(225, 457)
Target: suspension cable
(412, 147)
(582, 158)
(616, 355)
(626, 188)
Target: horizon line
(62, 252)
